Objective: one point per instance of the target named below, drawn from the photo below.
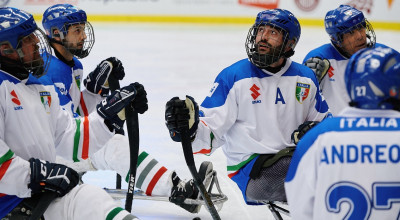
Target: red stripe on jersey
(1, 194)
(4, 167)
(83, 106)
(203, 151)
(233, 174)
(85, 147)
(154, 181)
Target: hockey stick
(42, 205)
(188, 152)
(132, 125)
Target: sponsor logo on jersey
(302, 91)
(15, 100)
(61, 88)
(212, 90)
(45, 97)
(255, 94)
(330, 73)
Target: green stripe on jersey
(240, 165)
(6, 156)
(114, 213)
(76, 140)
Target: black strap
(267, 160)
(255, 171)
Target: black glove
(181, 114)
(140, 102)
(117, 68)
(319, 66)
(302, 130)
(96, 81)
(115, 103)
(46, 176)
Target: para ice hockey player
(349, 31)
(33, 127)
(347, 167)
(253, 108)
(72, 37)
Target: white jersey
(251, 111)
(347, 167)
(32, 124)
(333, 85)
(152, 176)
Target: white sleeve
(89, 101)
(14, 173)
(220, 113)
(78, 138)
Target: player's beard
(36, 64)
(78, 49)
(265, 57)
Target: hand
(319, 66)
(181, 114)
(302, 130)
(117, 69)
(140, 102)
(114, 103)
(97, 81)
(46, 176)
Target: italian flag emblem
(45, 97)
(302, 91)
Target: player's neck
(63, 54)
(276, 68)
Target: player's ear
(289, 45)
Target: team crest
(302, 91)
(45, 97)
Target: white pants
(86, 202)
(151, 176)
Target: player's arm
(219, 115)
(96, 83)
(78, 138)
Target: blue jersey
(347, 167)
(68, 82)
(332, 85)
(251, 111)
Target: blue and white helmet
(373, 79)
(344, 19)
(281, 19)
(62, 16)
(18, 26)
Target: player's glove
(111, 107)
(46, 176)
(96, 81)
(302, 130)
(181, 114)
(319, 66)
(140, 103)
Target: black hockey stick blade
(188, 152)
(132, 125)
(42, 205)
